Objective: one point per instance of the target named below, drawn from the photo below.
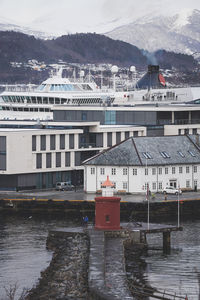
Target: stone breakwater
(67, 275)
(91, 264)
(86, 264)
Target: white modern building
(141, 162)
(37, 155)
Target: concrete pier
(107, 275)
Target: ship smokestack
(153, 69)
(152, 79)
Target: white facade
(135, 179)
(21, 157)
(182, 129)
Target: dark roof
(136, 151)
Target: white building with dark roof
(138, 162)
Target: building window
(134, 171)
(146, 186)
(146, 171)
(43, 142)
(166, 170)
(187, 183)
(147, 155)
(125, 171)
(194, 131)
(187, 169)
(109, 139)
(165, 154)
(154, 186)
(118, 137)
(160, 185)
(48, 160)
(180, 170)
(125, 185)
(126, 134)
(110, 117)
(38, 160)
(52, 142)
(186, 131)
(195, 169)
(173, 170)
(92, 171)
(62, 141)
(153, 171)
(58, 159)
(33, 143)
(71, 141)
(160, 171)
(107, 217)
(102, 171)
(195, 184)
(192, 153)
(113, 171)
(84, 116)
(181, 153)
(67, 159)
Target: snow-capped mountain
(179, 33)
(9, 25)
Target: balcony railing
(88, 145)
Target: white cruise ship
(36, 102)
(33, 102)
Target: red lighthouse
(107, 208)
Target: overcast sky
(86, 15)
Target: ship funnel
(152, 79)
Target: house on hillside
(141, 162)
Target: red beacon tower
(107, 208)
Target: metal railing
(87, 145)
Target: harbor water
(23, 256)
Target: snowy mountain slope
(179, 33)
(10, 25)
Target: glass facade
(110, 117)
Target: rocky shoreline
(67, 275)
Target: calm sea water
(177, 272)
(23, 255)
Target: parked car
(64, 186)
(171, 190)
